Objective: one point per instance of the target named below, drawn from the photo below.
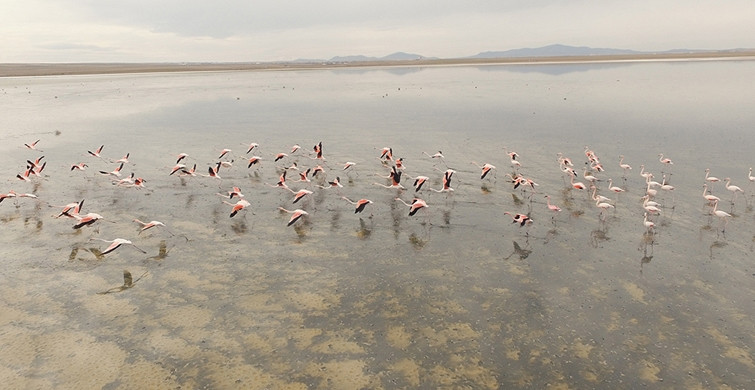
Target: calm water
(455, 296)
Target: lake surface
(455, 296)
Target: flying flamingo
(79, 166)
(418, 182)
(446, 181)
(360, 204)
(252, 146)
(295, 215)
(116, 243)
(733, 189)
(176, 168)
(70, 210)
(181, 156)
(437, 156)
(721, 214)
(280, 156)
(564, 160)
(521, 219)
(386, 153)
(224, 152)
(116, 172)
(415, 206)
(124, 159)
(295, 148)
(395, 177)
(303, 175)
(298, 195)
(235, 191)
(33, 145)
(318, 151)
(150, 225)
(253, 160)
(486, 168)
(10, 194)
(238, 206)
(97, 152)
(86, 220)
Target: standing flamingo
(555, 209)
(708, 197)
(721, 214)
(734, 189)
(649, 225)
(624, 166)
(710, 179)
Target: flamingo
(298, 195)
(235, 191)
(577, 185)
(651, 209)
(180, 157)
(415, 206)
(666, 187)
(360, 204)
(552, 207)
(734, 189)
(649, 225)
(564, 160)
(446, 181)
(295, 215)
(70, 210)
(418, 182)
(33, 145)
(318, 151)
(521, 219)
(708, 197)
(253, 160)
(666, 161)
(400, 163)
(303, 175)
(280, 156)
(721, 214)
(252, 146)
(386, 153)
(86, 220)
(123, 159)
(603, 206)
(395, 177)
(589, 177)
(214, 171)
(116, 172)
(624, 166)
(116, 243)
(710, 179)
(295, 148)
(223, 153)
(486, 168)
(238, 206)
(176, 168)
(79, 166)
(646, 175)
(614, 188)
(97, 151)
(750, 176)
(150, 225)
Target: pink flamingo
(238, 206)
(97, 152)
(486, 168)
(734, 189)
(150, 225)
(116, 243)
(721, 214)
(415, 206)
(360, 204)
(555, 209)
(33, 145)
(295, 215)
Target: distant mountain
(553, 51)
(398, 56)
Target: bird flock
(302, 173)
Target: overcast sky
(275, 30)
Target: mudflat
(52, 69)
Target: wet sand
(457, 297)
(36, 69)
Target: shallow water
(455, 296)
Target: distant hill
(398, 56)
(554, 51)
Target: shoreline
(67, 69)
